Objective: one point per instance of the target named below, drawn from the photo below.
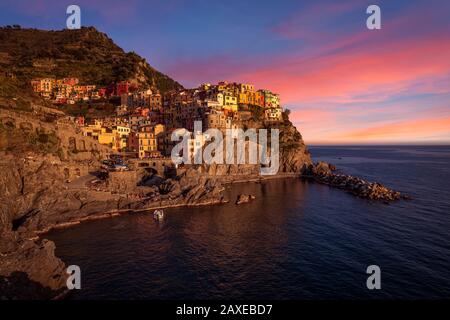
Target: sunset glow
(342, 82)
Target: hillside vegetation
(86, 54)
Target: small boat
(158, 215)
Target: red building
(80, 121)
(122, 88)
(102, 92)
(143, 112)
(70, 81)
(133, 142)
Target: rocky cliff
(43, 161)
(294, 159)
(35, 197)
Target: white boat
(158, 214)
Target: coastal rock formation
(322, 168)
(294, 158)
(34, 197)
(29, 269)
(294, 155)
(42, 191)
(322, 172)
(244, 198)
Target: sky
(344, 83)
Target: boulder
(244, 198)
(323, 168)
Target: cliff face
(34, 196)
(38, 155)
(39, 151)
(42, 157)
(294, 158)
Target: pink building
(70, 81)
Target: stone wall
(74, 145)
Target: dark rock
(244, 198)
(18, 286)
(322, 168)
(323, 172)
(31, 270)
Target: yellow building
(148, 137)
(245, 87)
(248, 98)
(271, 100)
(43, 85)
(243, 98)
(121, 133)
(93, 130)
(230, 102)
(116, 138)
(108, 138)
(222, 86)
(258, 99)
(47, 84)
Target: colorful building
(273, 114)
(271, 100)
(44, 86)
(108, 138)
(133, 142)
(230, 102)
(148, 138)
(155, 102)
(122, 133)
(122, 88)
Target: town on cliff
(144, 119)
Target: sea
(298, 240)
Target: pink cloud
(345, 75)
(420, 129)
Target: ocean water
(297, 240)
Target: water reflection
(297, 240)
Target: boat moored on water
(158, 215)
